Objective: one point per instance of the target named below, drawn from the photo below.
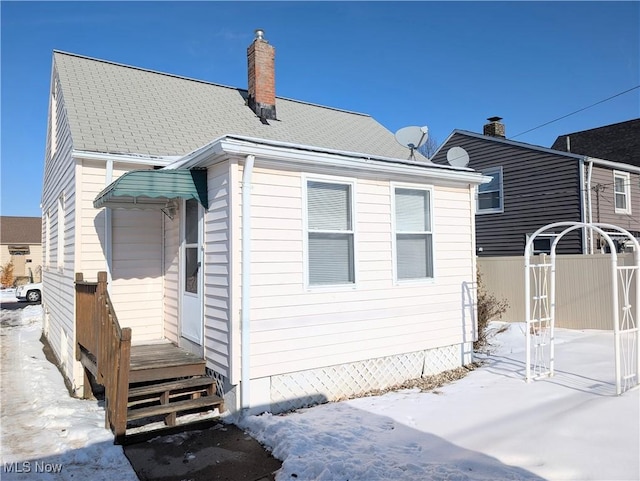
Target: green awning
(153, 189)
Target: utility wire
(577, 111)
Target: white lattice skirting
(306, 388)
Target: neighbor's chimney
(262, 77)
(494, 128)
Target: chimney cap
(494, 119)
(259, 34)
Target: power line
(577, 111)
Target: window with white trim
(330, 241)
(54, 120)
(413, 233)
(542, 243)
(47, 240)
(622, 192)
(60, 253)
(490, 195)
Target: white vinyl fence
(583, 293)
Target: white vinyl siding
(61, 233)
(330, 235)
(413, 233)
(47, 239)
(58, 285)
(621, 188)
(217, 270)
(294, 328)
(491, 195)
(171, 276)
(136, 271)
(136, 286)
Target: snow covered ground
(44, 433)
(491, 425)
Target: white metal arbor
(540, 317)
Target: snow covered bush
(490, 308)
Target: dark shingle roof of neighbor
(20, 230)
(122, 109)
(616, 142)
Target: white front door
(191, 325)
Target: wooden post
(122, 384)
(101, 326)
(79, 317)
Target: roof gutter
(142, 159)
(613, 165)
(282, 152)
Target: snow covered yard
(45, 433)
(491, 425)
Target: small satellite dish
(412, 138)
(458, 157)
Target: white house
(290, 245)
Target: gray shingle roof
(121, 109)
(618, 142)
(20, 230)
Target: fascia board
(277, 155)
(514, 143)
(613, 165)
(124, 158)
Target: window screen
(414, 237)
(330, 233)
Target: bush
(6, 275)
(489, 309)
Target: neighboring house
(533, 186)
(616, 142)
(21, 244)
(290, 245)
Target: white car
(29, 292)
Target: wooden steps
(171, 397)
(173, 408)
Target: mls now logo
(29, 467)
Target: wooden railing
(101, 342)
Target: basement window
(542, 243)
(16, 250)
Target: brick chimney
(262, 77)
(494, 128)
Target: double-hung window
(621, 189)
(61, 219)
(330, 233)
(413, 234)
(490, 195)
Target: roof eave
(282, 152)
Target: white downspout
(108, 247)
(245, 303)
(589, 209)
(583, 206)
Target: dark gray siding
(604, 202)
(538, 187)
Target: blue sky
(447, 65)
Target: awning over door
(153, 189)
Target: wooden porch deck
(162, 360)
(142, 381)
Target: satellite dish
(458, 157)
(412, 138)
